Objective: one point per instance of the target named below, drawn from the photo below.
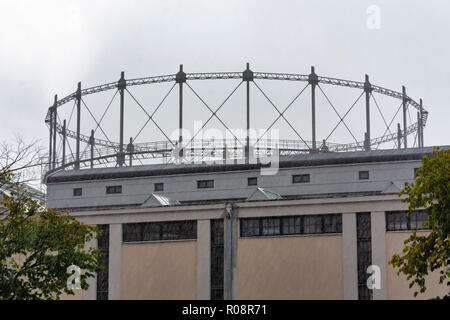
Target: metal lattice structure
(105, 152)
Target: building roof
(298, 160)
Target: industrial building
(198, 217)
(219, 230)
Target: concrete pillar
(349, 256)
(378, 229)
(115, 260)
(203, 259)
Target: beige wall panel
(397, 285)
(159, 270)
(290, 268)
(79, 295)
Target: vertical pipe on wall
(228, 243)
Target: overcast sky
(46, 47)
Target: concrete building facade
(214, 231)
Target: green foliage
(37, 245)
(423, 254)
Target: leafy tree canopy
(37, 245)
(423, 254)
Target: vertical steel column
(313, 80)
(78, 98)
(247, 76)
(399, 136)
(92, 142)
(224, 152)
(405, 106)
(121, 86)
(50, 142)
(180, 78)
(421, 124)
(418, 129)
(368, 90)
(130, 150)
(55, 119)
(63, 162)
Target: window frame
(306, 225)
(360, 173)
(75, 192)
(398, 220)
(205, 184)
(159, 231)
(252, 179)
(157, 185)
(116, 189)
(302, 178)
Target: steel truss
(104, 151)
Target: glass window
(159, 186)
(418, 218)
(312, 224)
(300, 178)
(77, 192)
(113, 189)
(157, 231)
(252, 181)
(250, 227)
(363, 175)
(292, 225)
(270, 226)
(202, 184)
(399, 220)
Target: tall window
(103, 276)
(217, 259)
(364, 253)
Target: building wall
(397, 285)
(227, 185)
(285, 267)
(159, 270)
(292, 267)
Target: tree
(37, 245)
(423, 254)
